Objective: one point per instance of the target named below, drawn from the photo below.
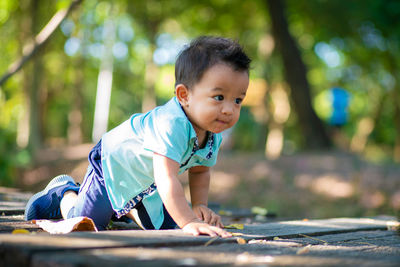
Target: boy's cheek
(237, 118)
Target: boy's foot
(46, 203)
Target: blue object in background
(340, 103)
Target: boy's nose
(227, 108)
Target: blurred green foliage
(344, 43)
(247, 132)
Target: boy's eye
(238, 100)
(219, 97)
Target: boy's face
(213, 104)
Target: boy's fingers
(221, 232)
(214, 231)
(207, 218)
(215, 219)
(208, 231)
(199, 214)
(219, 222)
(203, 228)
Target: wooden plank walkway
(330, 242)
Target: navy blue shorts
(93, 200)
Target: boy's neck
(202, 139)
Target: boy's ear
(182, 94)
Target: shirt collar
(207, 151)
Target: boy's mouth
(223, 121)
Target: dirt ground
(305, 185)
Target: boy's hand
(197, 228)
(208, 216)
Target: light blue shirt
(127, 156)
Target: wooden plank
(17, 250)
(335, 242)
(7, 210)
(12, 222)
(104, 239)
(371, 248)
(180, 258)
(21, 247)
(313, 227)
(12, 201)
(132, 257)
(174, 237)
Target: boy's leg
(168, 223)
(92, 201)
(68, 202)
(142, 218)
(46, 204)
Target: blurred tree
(31, 23)
(359, 45)
(75, 134)
(34, 86)
(150, 15)
(313, 130)
(342, 43)
(38, 41)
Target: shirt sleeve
(167, 137)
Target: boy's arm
(199, 183)
(173, 197)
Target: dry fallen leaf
(259, 211)
(225, 212)
(241, 241)
(209, 242)
(316, 239)
(304, 250)
(238, 226)
(258, 241)
(235, 234)
(20, 231)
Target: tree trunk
(143, 12)
(29, 126)
(279, 115)
(314, 132)
(149, 97)
(393, 68)
(75, 114)
(396, 99)
(149, 100)
(24, 36)
(34, 90)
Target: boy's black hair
(203, 53)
